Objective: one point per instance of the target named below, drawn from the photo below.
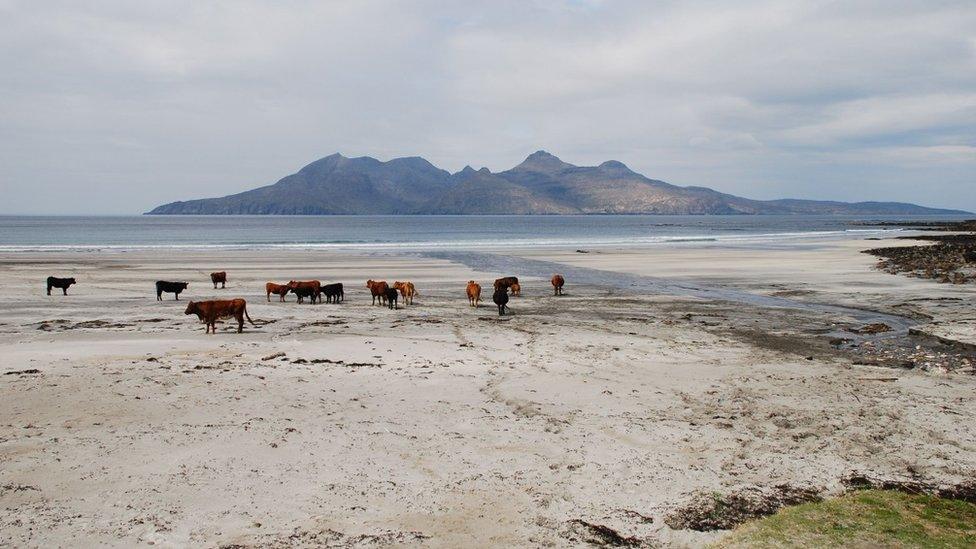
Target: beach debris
(708, 511)
(933, 354)
(875, 328)
(599, 534)
(965, 491)
(30, 371)
(11, 487)
(877, 379)
(330, 538)
(273, 356)
(63, 325)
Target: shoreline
(704, 241)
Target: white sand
(442, 425)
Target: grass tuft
(864, 518)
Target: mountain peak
(614, 165)
(542, 161)
(325, 163)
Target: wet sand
(442, 425)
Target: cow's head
(292, 284)
(191, 308)
(70, 281)
(369, 283)
(183, 284)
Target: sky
(115, 107)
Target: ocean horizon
(21, 233)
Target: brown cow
(474, 293)
(277, 289)
(516, 289)
(407, 290)
(505, 282)
(220, 278)
(378, 289)
(557, 284)
(210, 311)
(306, 288)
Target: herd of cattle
(390, 296)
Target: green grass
(864, 518)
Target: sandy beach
(122, 423)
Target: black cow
(333, 293)
(391, 298)
(170, 287)
(500, 297)
(55, 282)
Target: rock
(942, 261)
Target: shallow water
(639, 284)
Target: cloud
(118, 106)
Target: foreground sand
(443, 425)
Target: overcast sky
(116, 107)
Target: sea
(428, 233)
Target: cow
(557, 284)
(219, 278)
(210, 311)
(307, 288)
(505, 282)
(171, 287)
(474, 293)
(333, 293)
(407, 291)
(500, 297)
(391, 298)
(280, 290)
(516, 289)
(378, 289)
(63, 283)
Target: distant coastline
(541, 185)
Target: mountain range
(542, 184)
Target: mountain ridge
(541, 184)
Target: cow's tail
(248, 316)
